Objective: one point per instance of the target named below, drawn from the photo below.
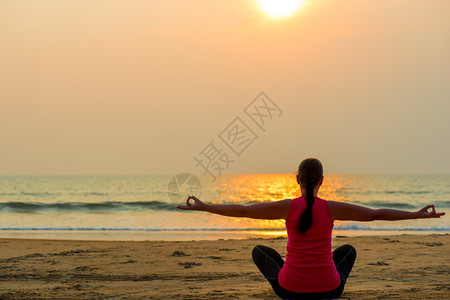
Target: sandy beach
(387, 267)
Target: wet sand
(387, 267)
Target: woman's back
(309, 266)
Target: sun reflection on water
(253, 188)
(256, 188)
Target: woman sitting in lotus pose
(311, 270)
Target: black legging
(269, 262)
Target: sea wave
(407, 192)
(107, 206)
(386, 204)
(402, 205)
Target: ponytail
(310, 173)
(306, 218)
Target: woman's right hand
(197, 204)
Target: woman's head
(310, 173)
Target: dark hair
(310, 173)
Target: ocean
(144, 207)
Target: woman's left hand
(426, 213)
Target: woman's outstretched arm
(268, 210)
(350, 212)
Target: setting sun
(280, 8)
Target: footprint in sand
(179, 253)
(188, 265)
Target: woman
(311, 269)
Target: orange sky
(141, 87)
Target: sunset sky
(142, 87)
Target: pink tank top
(309, 266)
